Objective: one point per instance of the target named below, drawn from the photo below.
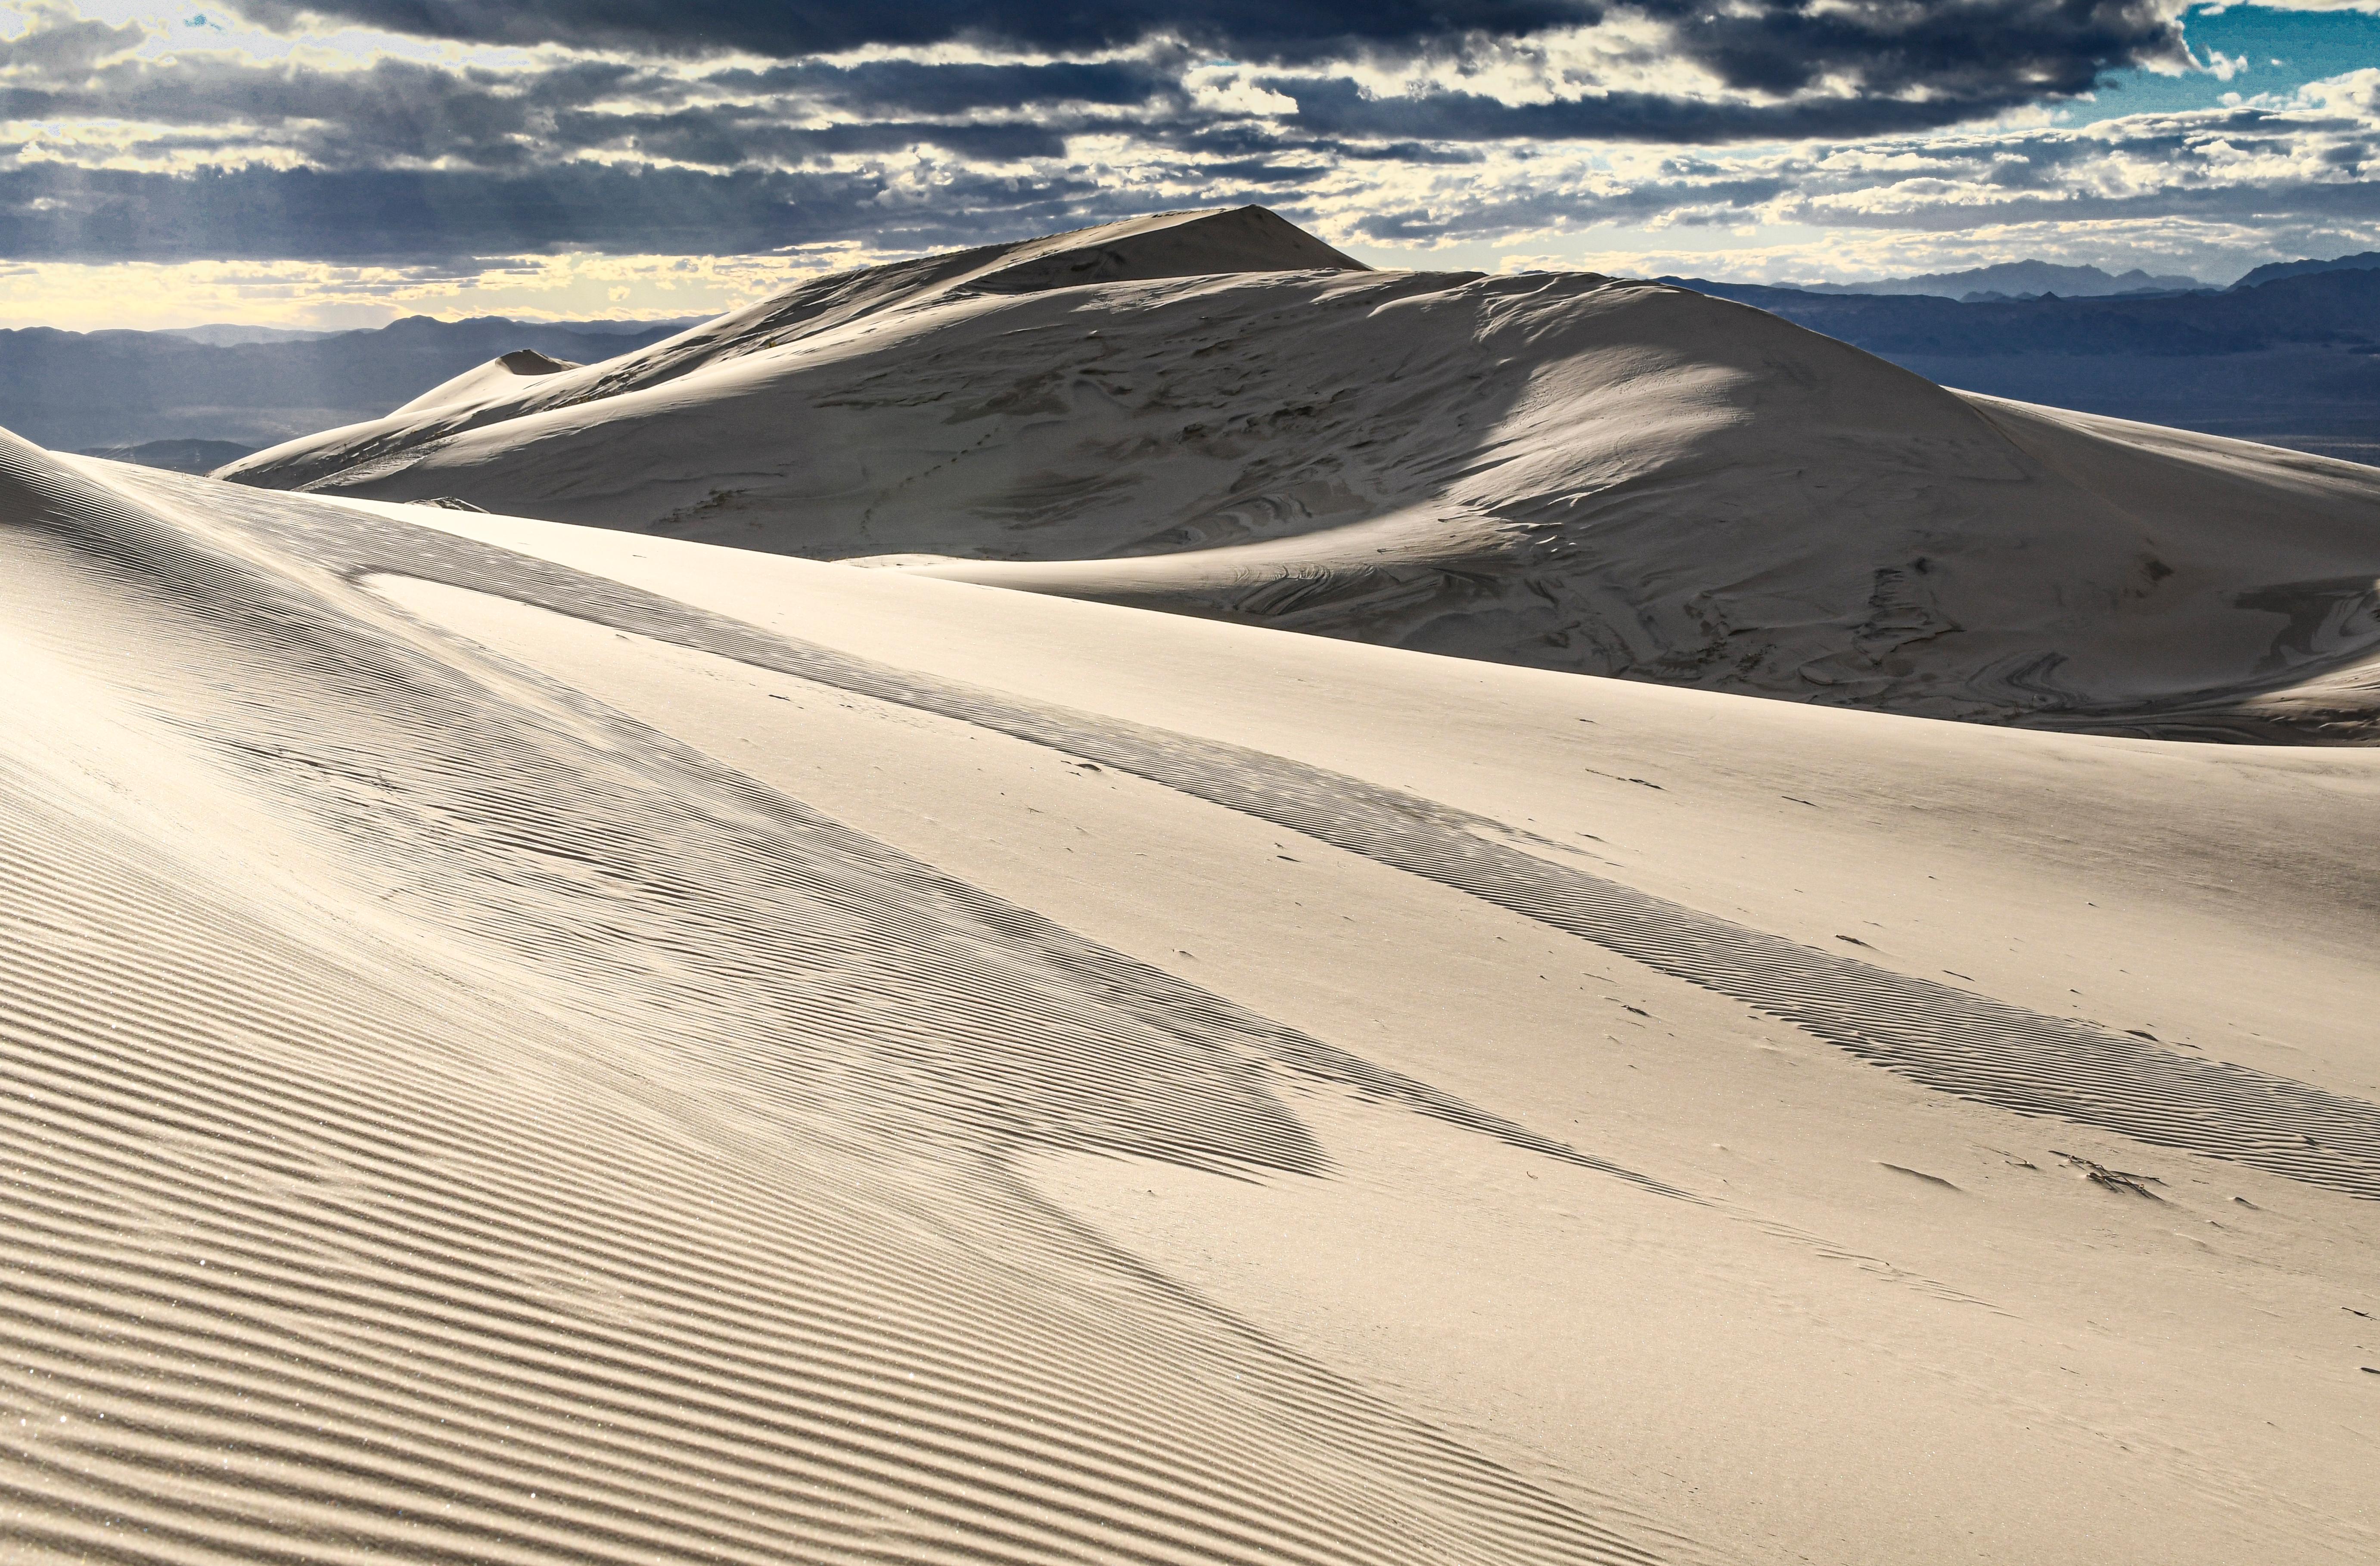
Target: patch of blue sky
(2254, 51)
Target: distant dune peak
(1185, 244)
(487, 383)
(179, 457)
(1214, 241)
(529, 361)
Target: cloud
(1339, 108)
(57, 40)
(52, 211)
(707, 130)
(1775, 68)
(2211, 191)
(1270, 29)
(1749, 70)
(1963, 51)
(920, 87)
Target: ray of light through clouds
(342, 161)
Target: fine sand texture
(1216, 414)
(526, 1043)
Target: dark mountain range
(226, 335)
(78, 391)
(2294, 361)
(2290, 356)
(2367, 262)
(175, 457)
(2013, 280)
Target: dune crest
(1167, 245)
(501, 376)
(1215, 414)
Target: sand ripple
(544, 1145)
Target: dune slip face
(1215, 414)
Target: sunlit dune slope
(1214, 413)
(526, 1043)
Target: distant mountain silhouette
(224, 334)
(2013, 280)
(2366, 261)
(179, 457)
(82, 391)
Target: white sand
(1214, 413)
(530, 1043)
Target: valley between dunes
(529, 1042)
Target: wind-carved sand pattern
(615, 1163)
(547, 1143)
(1946, 1038)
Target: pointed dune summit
(1248, 239)
(500, 377)
(1218, 414)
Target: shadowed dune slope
(1214, 414)
(528, 1043)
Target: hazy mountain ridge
(175, 457)
(2365, 261)
(2293, 361)
(2329, 307)
(2018, 279)
(78, 391)
(232, 334)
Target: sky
(342, 162)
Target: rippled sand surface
(524, 1043)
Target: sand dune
(1213, 413)
(502, 377)
(535, 1043)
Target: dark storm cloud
(1968, 57)
(727, 138)
(51, 212)
(1337, 108)
(404, 111)
(390, 111)
(1973, 51)
(1416, 152)
(654, 151)
(1976, 52)
(397, 111)
(1256, 28)
(913, 87)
